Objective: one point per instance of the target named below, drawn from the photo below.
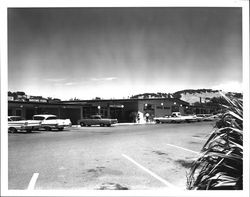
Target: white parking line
(199, 138)
(183, 148)
(33, 181)
(150, 172)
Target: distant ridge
(189, 95)
(200, 95)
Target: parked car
(211, 117)
(16, 123)
(200, 117)
(96, 120)
(175, 117)
(49, 122)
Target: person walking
(138, 118)
(147, 117)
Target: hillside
(198, 96)
(191, 96)
(202, 95)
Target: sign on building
(10, 98)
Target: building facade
(28, 109)
(125, 110)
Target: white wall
(161, 107)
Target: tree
(20, 93)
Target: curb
(123, 124)
(130, 124)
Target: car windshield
(38, 118)
(96, 117)
(52, 118)
(15, 118)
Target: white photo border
(244, 4)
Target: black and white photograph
(143, 98)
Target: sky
(118, 52)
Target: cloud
(70, 83)
(232, 86)
(54, 79)
(60, 81)
(104, 79)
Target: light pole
(99, 109)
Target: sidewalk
(132, 123)
(125, 124)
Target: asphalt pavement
(125, 157)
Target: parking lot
(133, 157)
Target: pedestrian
(138, 118)
(147, 117)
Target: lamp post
(99, 109)
(145, 106)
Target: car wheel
(82, 124)
(158, 121)
(108, 125)
(12, 130)
(102, 125)
(60, 129)
(47, 128)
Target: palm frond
(220, 163)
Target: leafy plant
(220, 164)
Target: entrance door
(30, 113)
(18, 112)
(116, 113)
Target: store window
(148, 107)
(10, 112)
(175, 108)
(18, 112)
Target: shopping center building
(125, 110)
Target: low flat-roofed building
(125, 110)
(28, 109)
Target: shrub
(220, 164)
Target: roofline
(139, 99)
(133, 99)
(78, 102)
(44, 115)
(42, 103)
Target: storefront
(125, 110)
(27, 109)
(150, 108)
(129, 110)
